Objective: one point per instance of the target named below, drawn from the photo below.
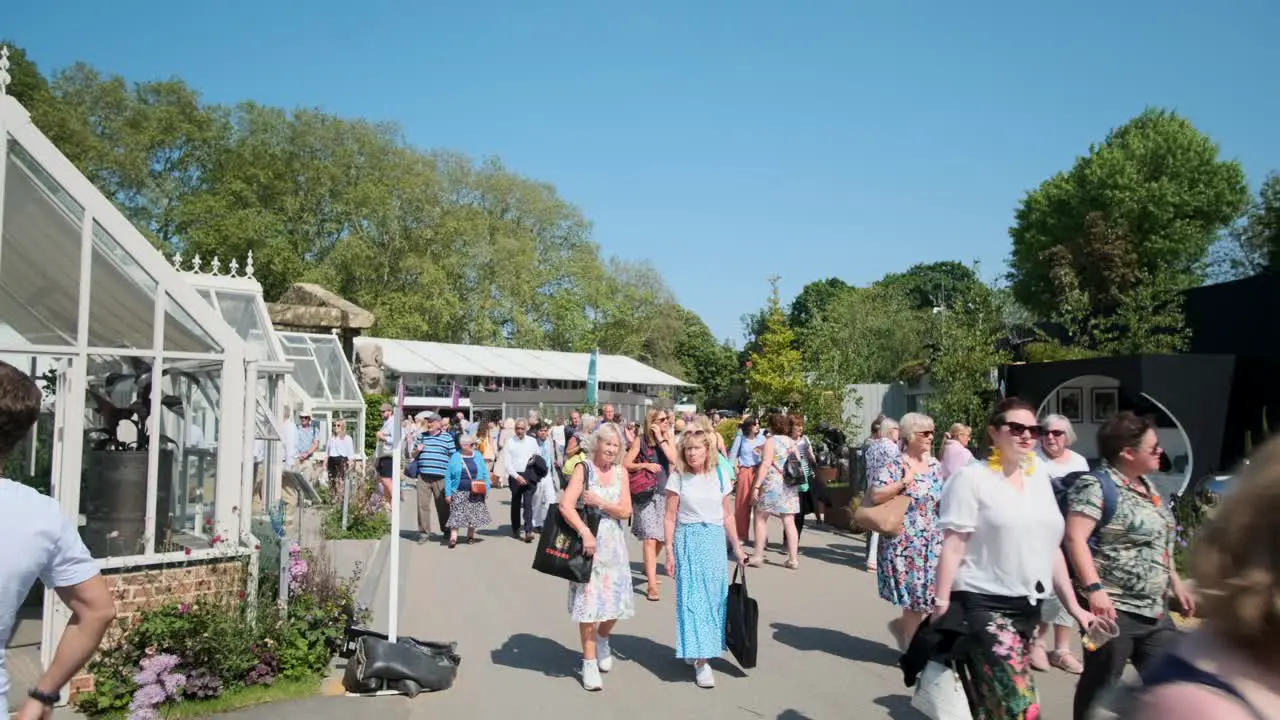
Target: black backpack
(1110, 500)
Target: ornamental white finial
(233, 268)
(215, 268)
(195, 263)
(5, 79)
(177, 260)
(248, 266)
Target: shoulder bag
(477, 486)
(560, 548)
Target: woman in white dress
(607, 597)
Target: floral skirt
(702, 591)
(468, 511)
(997, 678)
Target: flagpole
(393, 577)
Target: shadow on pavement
(837, 554)
(793, 715)
(538, 654)
(835, 642)
(899, 707)
(660, 660)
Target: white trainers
(604, 654)
(703, 675)
(591, 681)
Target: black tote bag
(742, 621)
(560, 548)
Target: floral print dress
(907, 564)
(608, 595)
(776, 496)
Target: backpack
(1110, 497)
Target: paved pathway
(824, 651)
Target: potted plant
(113, 495)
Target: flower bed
(367, 517)
(191, 652)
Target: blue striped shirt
(433, 458)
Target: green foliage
(813, 301)
(774, 378)
(711, 365)
(366, 519)
(224, 640)
(728, 430)
(864, 336)
(373, 403)
(965, 351)
(1143, 206)
(436, 245)
(1253, 244)
(929, 285)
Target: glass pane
(208, 296)
(113, 489)
(240, 310)
(39, 256)
(122, 296)
(190, 426)
(307, 374)
(183, 333)
(337, 373)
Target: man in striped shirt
(433, 450)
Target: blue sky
(726, 142)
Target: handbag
(643, 484)
(793, 469)
(560, 547)
(939, 694)
(477, 486)
(742, 621)
(886, 518)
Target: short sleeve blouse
(701, 496)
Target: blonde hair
(912, 423)
(1236, 560)
(680, 425)
(956, 430)
(690, 438)
(603, 433)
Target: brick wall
(139, 589)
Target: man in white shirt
(518, 452)
(39, 542)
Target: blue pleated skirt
(702, 591)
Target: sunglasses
(1055, 433)
(1017, 429)
(925, 433)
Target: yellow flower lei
(996, 462)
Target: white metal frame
(228, 521)
(326, 407)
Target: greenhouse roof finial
(5, 79)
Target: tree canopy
(1144, 206)
(438, 246)
(775, 376)
(930, 285)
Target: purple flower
(184, 608)
(149, 696)
(173, 682)
(143, 714)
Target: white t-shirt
(39, 544)
(701, 497)
(1013, 535)
(1072, 461)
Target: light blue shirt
(39, 543)
(747, 450)
(305, 437)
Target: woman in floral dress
(907, 567)
(773, 497)
(607, 597)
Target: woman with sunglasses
(338, 453)
(746, 456)
(648, 465)
(907, 563)
(1059, 461)
(1001, 558)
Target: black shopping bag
(559, 551)
(742, 621)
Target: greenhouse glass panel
(39, 265)
(183, 333)
(122, 296)
(333, 364)
(240, 310)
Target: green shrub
(728, 430)
(366, 517)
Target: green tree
(775, 377)
(1253, 244)
(813, 301)
(711, 365)
(865, 336)
(930, 285)
(966, 351)
(1155, 187)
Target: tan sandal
(1065, 661)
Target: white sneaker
(703, 675)
(591, 681)
(604, 654)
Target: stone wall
(138, 589)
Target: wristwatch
(1092, 588)
(46, 699)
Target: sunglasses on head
(1017, 429)
(695, 432)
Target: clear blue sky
(728, 141)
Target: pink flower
(187, 551)
(216, 539)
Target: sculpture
(369, 367)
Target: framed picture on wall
(1071, 403)
(1106, 402)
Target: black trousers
(522, 501)
(1141, 640)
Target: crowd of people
(1010, 545)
